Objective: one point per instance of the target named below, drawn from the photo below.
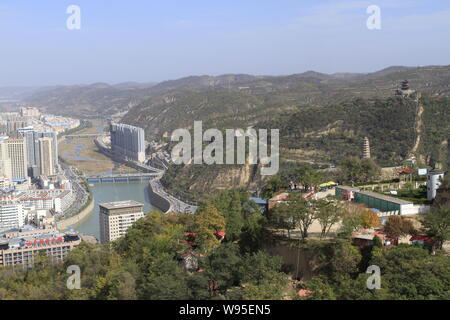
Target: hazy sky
(150, 41)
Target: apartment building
(21, 247)
(128, 142)
(117, 217)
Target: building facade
(128, 142)
(21, 249)
(117, 217)
(36, 151)
(46, 157)
(17, 153)
(11, 214)
(5, 161)
(434, 181)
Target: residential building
(117, 217)
(17, 153)
(57, 200)
(128, 142)
(46, 157)
(42, 155)
(30, 112)
(5, 161)
(11, 214)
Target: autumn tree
(352, 219)
(207, 222)
(370, 219)
(397, 226)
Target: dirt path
(418, 126)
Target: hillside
(245, 100)
(87, 101)
(322, 118)
(275, 91)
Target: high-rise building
(17, 153)
(117, 217)
(34, 155)
(46, 158)
(366, 148)
(128, 142)
(11, 214)
(30, 112)
(5, 161)
(15, 123)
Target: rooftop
(258, 200)
(121, 204)
(347, 188)
(384, 197)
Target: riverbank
(158, 200)
(63, 224)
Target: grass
(98, 162)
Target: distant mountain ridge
(102, 99)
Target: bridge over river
(121, 177)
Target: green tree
(328, 214)
(309, 177)
(304, 212)
(355, 170)
(436, 224)
(272, 186)
(262, 278)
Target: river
(107, 192)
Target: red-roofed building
(421, 240)
(364, 237)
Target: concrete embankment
(157, 200)
(63, 224)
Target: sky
(151, 41)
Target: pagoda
(404, 90)
(366, 148)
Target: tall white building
(128, 142)
(17, 153)
(11, 215)
(46, 158)
(32, 140)
(5, 161)
(117, 217)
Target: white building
(434, 181)
(11, 214)
(58, 200)
(117, 217)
